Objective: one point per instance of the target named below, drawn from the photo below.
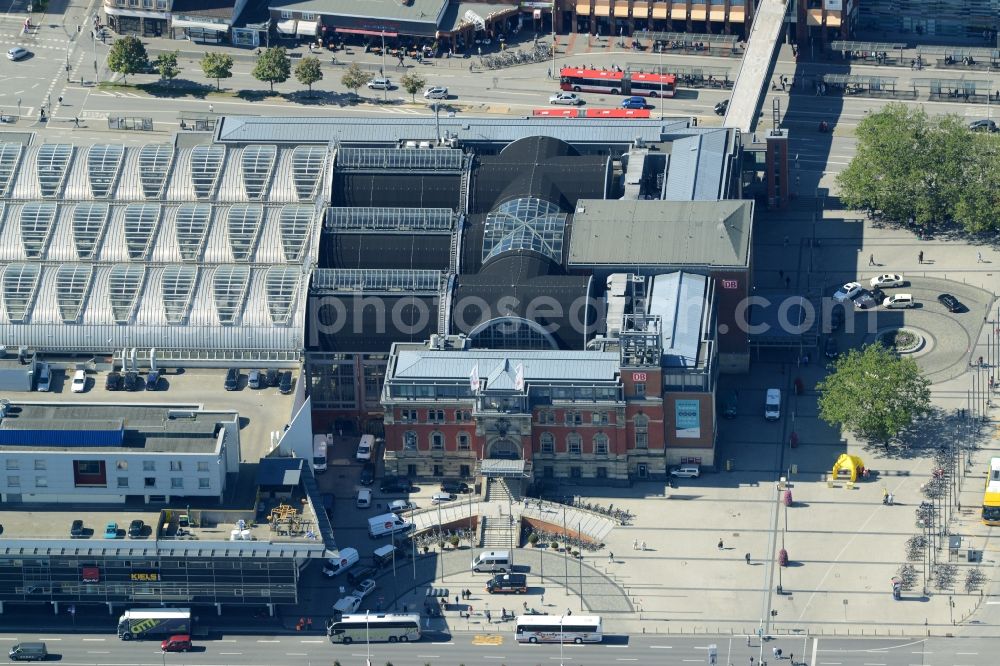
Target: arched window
(437, 441)
(409, 441)
(463, 441)
(574, 444)
(548, 442)
(600, 444)
(641, 431)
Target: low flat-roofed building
(98, 453)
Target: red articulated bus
(615, 82)
(590, 113)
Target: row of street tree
(128, 56)
(924, 170)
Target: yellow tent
(852, 463)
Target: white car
(441, 498)
(437, 92)
(380, 83)
(17, 53)
(364, 588)
(887, 280)
(79, 381)
(348, 604)
(399, 506)
(686, 472)
(565, 98)
(851, 290)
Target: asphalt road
(500, 648)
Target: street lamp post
(580, 536)
(385, 90)
(368, 643)
(562, 618)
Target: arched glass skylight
(103, 163)
(294, 222)
(206, 164)
(244, 222)
(124, 285)
(154, 165)
(281, 284)
(258, 163)
(141, 221)
(229, 288)
(20, 284)
(192, 222)
(52, 164)
(307, 169)
(10, 157)
(526, 223)
(89, 223)
(37, 223)
(177, 287)
(72, 285)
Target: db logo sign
(638, 376)
(730, 284)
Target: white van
(365, 448)
(383, 555)
(772, 405)
(494, 561)
(364, 498)
(346, 558)
(387, 523)
(44, 377)
(899, 301)
(320, 444)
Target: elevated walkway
(758, 63)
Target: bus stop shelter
(962, 58)
(860, 84)
(695, 42)
(687, 74)
(955, 88)
(870, 51)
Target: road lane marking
(261, 640)
(296, 654)
(489, 657)
(447, 643)
(872, 664)
(428, 656)
(967, 654)
(94, 639)
(305, 641)
(661, 647)
(230, 653)
(98, 651)
(626, 659)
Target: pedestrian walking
(525, 605)
(503, 614)
(788, 282)
(720, 544)
(747, 556)
(791, 658)
(871, 260)
(456, 599)
(211, 108)
(920, 257)
(979, 257)
(611, 558)
(569, 611)
(489, 618)
(775, 652)
(642, 546)
(751, 661)
(635, 545)
(748, 640)
(781, 274)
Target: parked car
(136, 529)
(272, 377)
(437, 92)
(836, 319)
(254, 379)
(722, 107)
(358, 574)
(983, 125)
(454, 486)
(830, 349)
(396, 484)
(899, 301)
(18, 53)
(380, 83)
(634, 102)
(851, 290)
(364, 588)
(232, 379)
(731, 405)
(44, 382)
(887, 280)
(441, 498)
(153, 380)
(866, 300)
(111, 531)
(79, 381)
(399, 506)
(113, 382)
(368, 474)
(347, 605)
(285, 382)
(566, 98)
(686, 472)
(131, 381)
(950, 302)
(76, 529)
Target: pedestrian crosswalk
(32, 41)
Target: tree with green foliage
(978, 205)
(217, 66)
(166, 66)
(127, 56)
(873, 393)
(412, 83)
(354, 77)
(308, 72)
(273, 66)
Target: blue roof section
(279, 471)
(679, 299)
(696, 168)
(23, 432)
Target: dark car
(131, 381)
(153, 380)
(950, 302)
(113, 382)
(368, 474)
(983, 125)
(271, 377)
(135, 529)
(358, 574)
(285, 383)
(396, 484)
(878, 295)
(454, 486)
(830, 349)
(634, 102)
(76, 529)
(836, 318)
(255, 379)
(865, 300)
(232, 379)
(731, 406)
(722, 107)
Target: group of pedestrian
(466, 594)
(637, 545)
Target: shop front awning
(717, 13)
(621, 9)
(736, 14)
(698, 12)
(814, 17)
(678, 12)
(135, 13)
(583, 7)
(373, 33)
(199, 25)
(832, 21)
(640, 9)
(602, 8)
(307, 28)
(659, 10)
(286, 27)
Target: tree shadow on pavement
(176, 88)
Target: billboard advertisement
(688, 417)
